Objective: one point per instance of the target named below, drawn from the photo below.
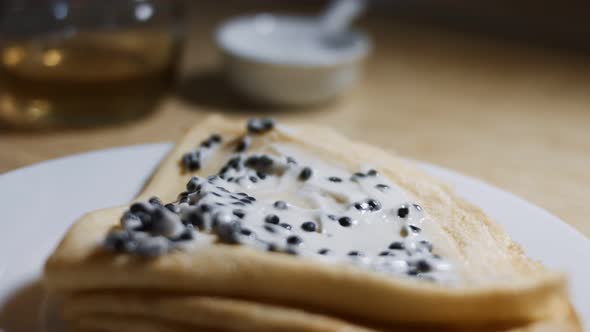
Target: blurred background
(495, 89)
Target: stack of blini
(222, 282)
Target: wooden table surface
(517, 118)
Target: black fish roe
(268, 123)
(172, 208)
(259, 163)
(403, 211)
(186, 235)
(426, 244)
(239, 213)
(130, 220)
(280, 205)
(382, 187)
(138, 207)
(191, 161)
(361, 206)
(305, 174)
(155, 201)
(163, 222)
(251, 161)
(234, 163)
(415, 229)
(222, 189)
(215, 138)
(423, 266)
(294, 240)
(146, 221)
(151, 218)
(206, 144)
(259, 126)
(265, 162)
(227, 232)
(374, 205)
(309, 226)
(195, 218)
(117, 240)
(272, 219)
(192, 184)
(397, 246)
(345, 221)
(243, 144)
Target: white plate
(38, 203)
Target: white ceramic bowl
(283, 60)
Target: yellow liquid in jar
(86, 79)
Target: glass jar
(85, 62)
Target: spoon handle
(339, 14)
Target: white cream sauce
(323, 202)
